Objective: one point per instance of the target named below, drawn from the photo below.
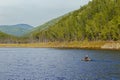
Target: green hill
(6, 38)
(98, 20)
(16, 30)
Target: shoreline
(96, 45)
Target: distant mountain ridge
(16, 30)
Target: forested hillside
(5, 38)
(98, 20)
(44, 26)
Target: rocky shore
(111, 46)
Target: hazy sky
(35, 12)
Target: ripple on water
(55, 64)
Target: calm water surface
(58, 64)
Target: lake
(58, 64)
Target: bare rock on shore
(111, 46)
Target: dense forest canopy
(6, 38)
(98, 20)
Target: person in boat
(87, 58)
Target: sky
(35, 12)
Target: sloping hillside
(16, 30)
(98, 20)
(45, 25)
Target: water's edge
(102, 45)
